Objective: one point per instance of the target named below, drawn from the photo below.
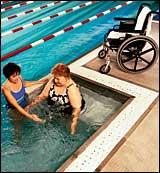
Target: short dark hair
(10, 69)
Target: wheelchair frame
(130, 53)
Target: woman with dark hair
(61, 90)
(14, 90)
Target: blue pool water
(37, 62)
(64, 48)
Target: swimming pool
(64, 48)
(71, 44)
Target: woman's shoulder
(50, 81)
(71, 83)
(5, 86)
(72, 86)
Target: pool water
(33, 147)
(64, 48)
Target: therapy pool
(32, 147)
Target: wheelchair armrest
(125, 23)
(124, 19)
(125, 26)
(137, 31)
(129, 31)
(154, 12)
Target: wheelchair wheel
(137, 54)
(103, 69)
(102, 53)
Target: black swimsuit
(62, 100)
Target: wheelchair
(135, 50)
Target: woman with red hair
(62, 90)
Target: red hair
(61, 70)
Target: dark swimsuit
(62, 100)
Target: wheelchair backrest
(142, 18)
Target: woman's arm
(32, 83)
(75, 101)
(74, 121)
(34, 102)
(41, 97)
(13, 101)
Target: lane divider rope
(16, 6)
(32, 10)
(47, 18)
(4, 2)
(63, 31)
